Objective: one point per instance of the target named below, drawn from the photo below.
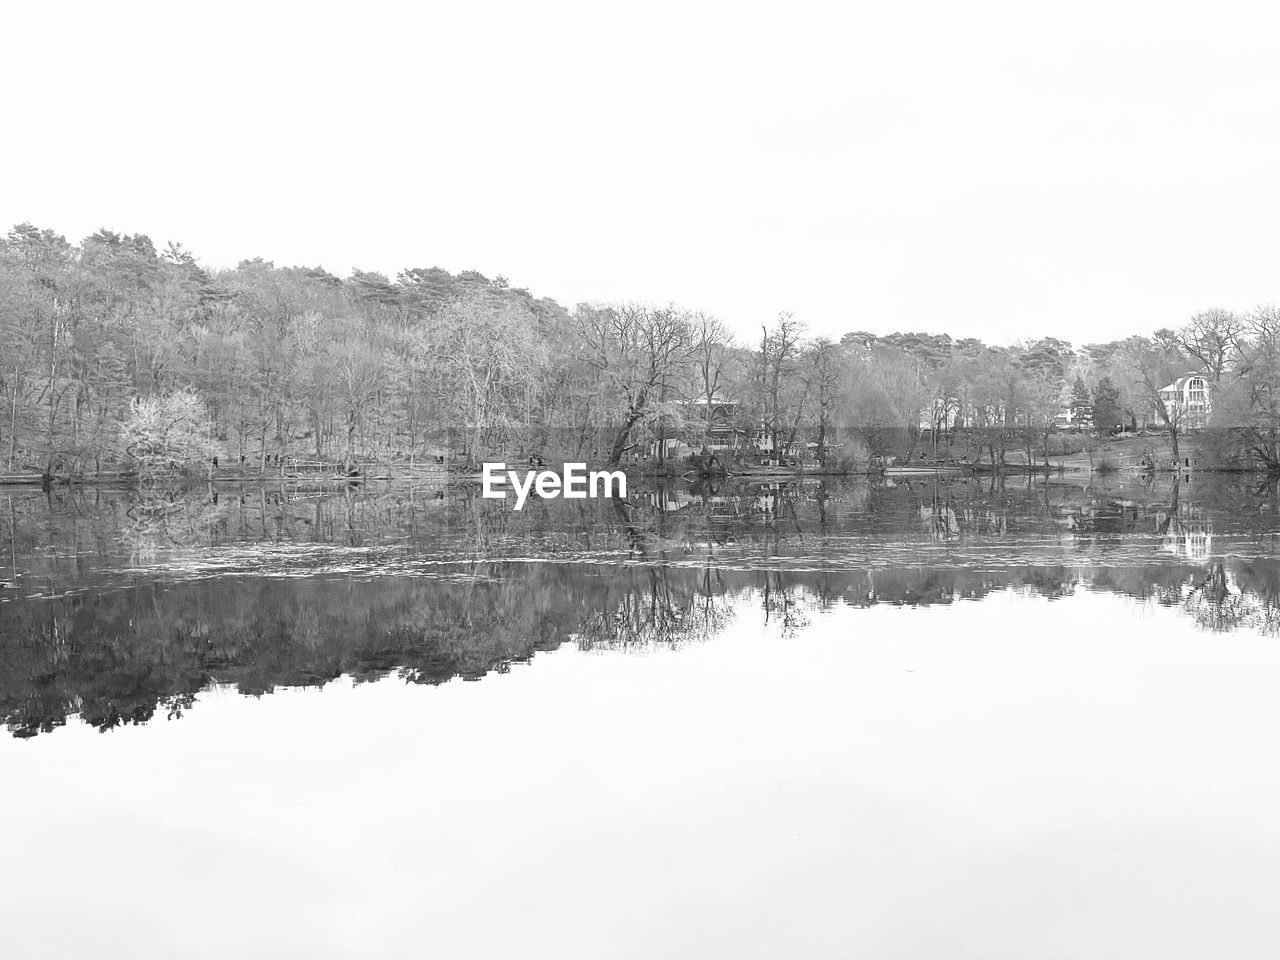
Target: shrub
(172, 432)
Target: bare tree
(710, 344)
(1248, 404)
(779, 350)
(823, 384)
(635, 350)
(1212, 338)
(1148, 365)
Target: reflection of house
(1188, 400)
(1191, 540)
(1185, 532)
(940, 520)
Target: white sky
(999, 171)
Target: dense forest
(117, 356)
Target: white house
(1188, 400)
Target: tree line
(117, 355)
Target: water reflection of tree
(1218, 606)
(657, 610)
(783, 605)
(49, 534)
(120, 649)
(161, 520)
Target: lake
(965, 719)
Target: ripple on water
(365, 563)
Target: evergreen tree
(1081, 404)
(1106, 406)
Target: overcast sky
(997, 171)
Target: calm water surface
(926, 720)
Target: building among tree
(711, 426)
(1188, 400)
(717, 428)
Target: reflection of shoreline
(122, 656)
(81, 538)
(118, 606)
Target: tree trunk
(620, 441)
(13, 426)
(351, 434)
